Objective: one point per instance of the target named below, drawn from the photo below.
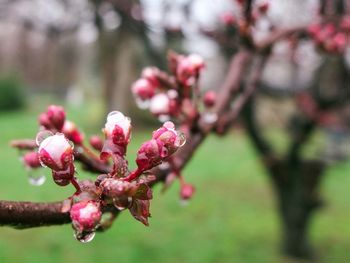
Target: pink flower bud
(118, 128)
(71, 131)
(143, 89)
(85, 215)
(63, 177)
(340, 41)
(56, 116)
(31, 159)
(187, 191)
(149, 155)
(115, 188)
(263, 7)
(56, 152)
(168, 136)
(209, 98)
(160, 104)
(228, 19)
(96, 142)
(150, 73)
(44, 121)
(188, 69)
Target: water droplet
(36, 177)
(210, 117)
(142, 104)
(183, 202)
(42, 135)
(84, 237)
(71, 143)
(164, 166)
(163, 118)
(112, 113)
(181, 139)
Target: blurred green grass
(232, 217)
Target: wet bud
(149, 155)
(115, 188)
(143, 89)
(340, 41)
(160, 104)
(118, 128)
(44, 121)
(85, 215)
(63, 177)
(31, 159)
(56, 116)
(186, 191)
(150, 73)
(96, 142)
(71, 131)
(168, 136)
(209, 98)
(56, 152)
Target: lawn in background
(232, 217)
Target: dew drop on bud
(71, 143)
(36, 180)
(42, 135)
(181, 139)
(84, 237)
(210, 117)
(163, 118)
(142, 104)
(112, 113)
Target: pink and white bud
(160, 104)
(143, 89)
(31, 160)
(96, 142)
(187, 191)
(118, 128)
(85, 215)
(264, 7)
(151, 73)
(169, 137)
(56, 152)
(188, 69)
(149, 155)
(56, 116)
(44, 121)
(209, 98)
(228, 19)
(71, 131)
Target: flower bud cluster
(163, 94)
(85, 215)
(328, 37)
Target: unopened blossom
(31, 160)
(168, 136)
(160, 104)
(118, 127)
(96, 142)
(150, 154)
(56, 115)
(150, 74)
(71, 131)
(209, 98)
(143, 89)
(187, 191)
(56, 152)
(188, 69)
(85, 215)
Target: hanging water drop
(36, 177)
(112, 113)
(210, 117)
(84, 237)
(181, 139)
(42, 135)
(164, 166)
(183, 202)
